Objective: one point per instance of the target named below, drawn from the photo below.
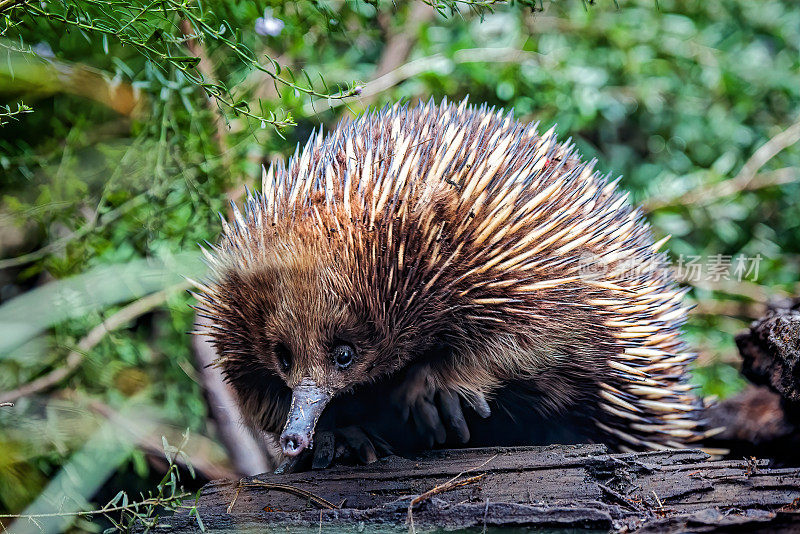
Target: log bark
(770, 352)
(545, 487)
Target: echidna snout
(308, 402)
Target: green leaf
(184, 61)
(116, 499)
(157, 35)
(275, 65)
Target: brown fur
(434, 226)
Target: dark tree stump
(770, 352)
(756, 424)
(764, 420)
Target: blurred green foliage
(126, 157)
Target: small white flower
(268, 25)
(43, 50)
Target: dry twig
(421, 65)
(244, 451)
(442, 488)
(95, 335)
(747, 179)
(321, 503)
(399, 44)
(242, 446)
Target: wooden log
(560, 486)
(578, 486)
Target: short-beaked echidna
(433, 256)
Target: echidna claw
(290, 464)
(354, 444)
(428, 418)
(324, 450)
(450, 407)
(481, 406)
(435, 411)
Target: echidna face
(297, 317)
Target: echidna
(425, 257)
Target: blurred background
(126, 128)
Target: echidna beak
(308, 402)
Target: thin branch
(153, 43)
(767, 151)
(6, 5)
(75, 358)
(321, 503)
(399, 44)
(151, 444)
(249, 58)
(441, 488)
(747, 179)
(476, 6)
(242, 446)
(421, 65)
(708, 193)
(90, 226)
(102, 511)
(7, 113)
(730, 308)
(750, 290)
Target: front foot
(347, 445)
(434, 409)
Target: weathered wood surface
(556, 487)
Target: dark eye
(284, 356)
(343, 355)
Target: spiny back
(462, 221)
